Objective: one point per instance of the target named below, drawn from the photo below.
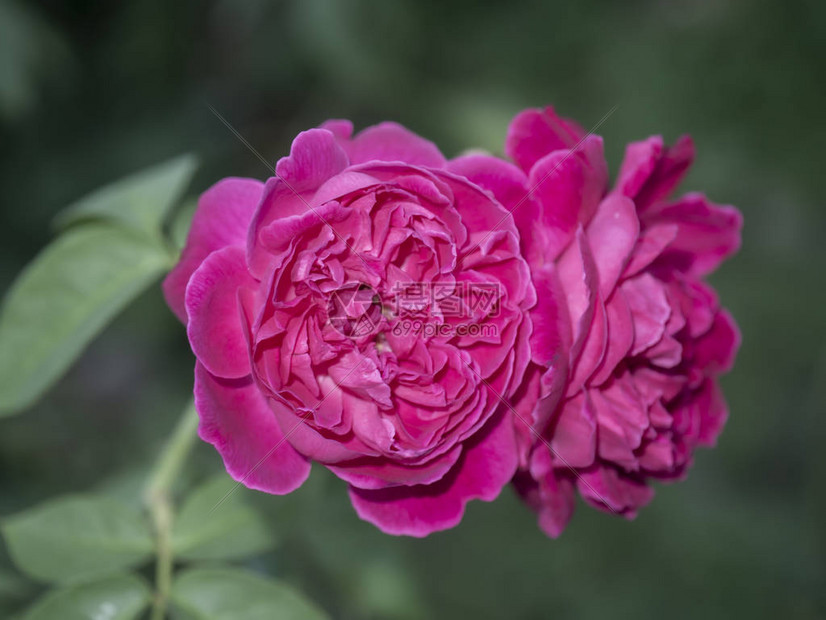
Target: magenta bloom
(619, 278)
(288, 290)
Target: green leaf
(215, 526)
(140, 200)
(181, 223)
(77, 538)
(63, 298)
(234, 594)
(13, 589)
(118, 598)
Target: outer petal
(314, 157)
(558, 505)
(568, 190)
(640, 161)
(215, 329)
(667, 174)
(391, 142)
(707, 234)
(369, 473)
(509, 185)
(486, 466)
(713, 412)
(342, 129)
(715, 350)
(607, 489)
(534, 133)
(235, 419)
(574, 435)
(222, 218)
(504, 180)
(548, 490)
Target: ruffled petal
(623, 418)
(277, 201)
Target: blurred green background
(91, 90)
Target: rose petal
(605, 488)
(612, 235)
(392, 142)
(214, 327)
(650, 244)
(342, 129)
(579, 280)
(549, 491)
(315, 156)
(551, 323)
(620, 337)
(235, 419)
(640, 161)
(277, 201)
(534, 133)
(505, 181)
(707, 234)
(715, 351)
(713, 413)
(650, 309)
(670, 170)
(487, 464)
(574, 434)
(568, 191)
(623, 418)
(379, 474)
(222, 218)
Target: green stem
(158, 500)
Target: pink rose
(291, 294)
(619, 277)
